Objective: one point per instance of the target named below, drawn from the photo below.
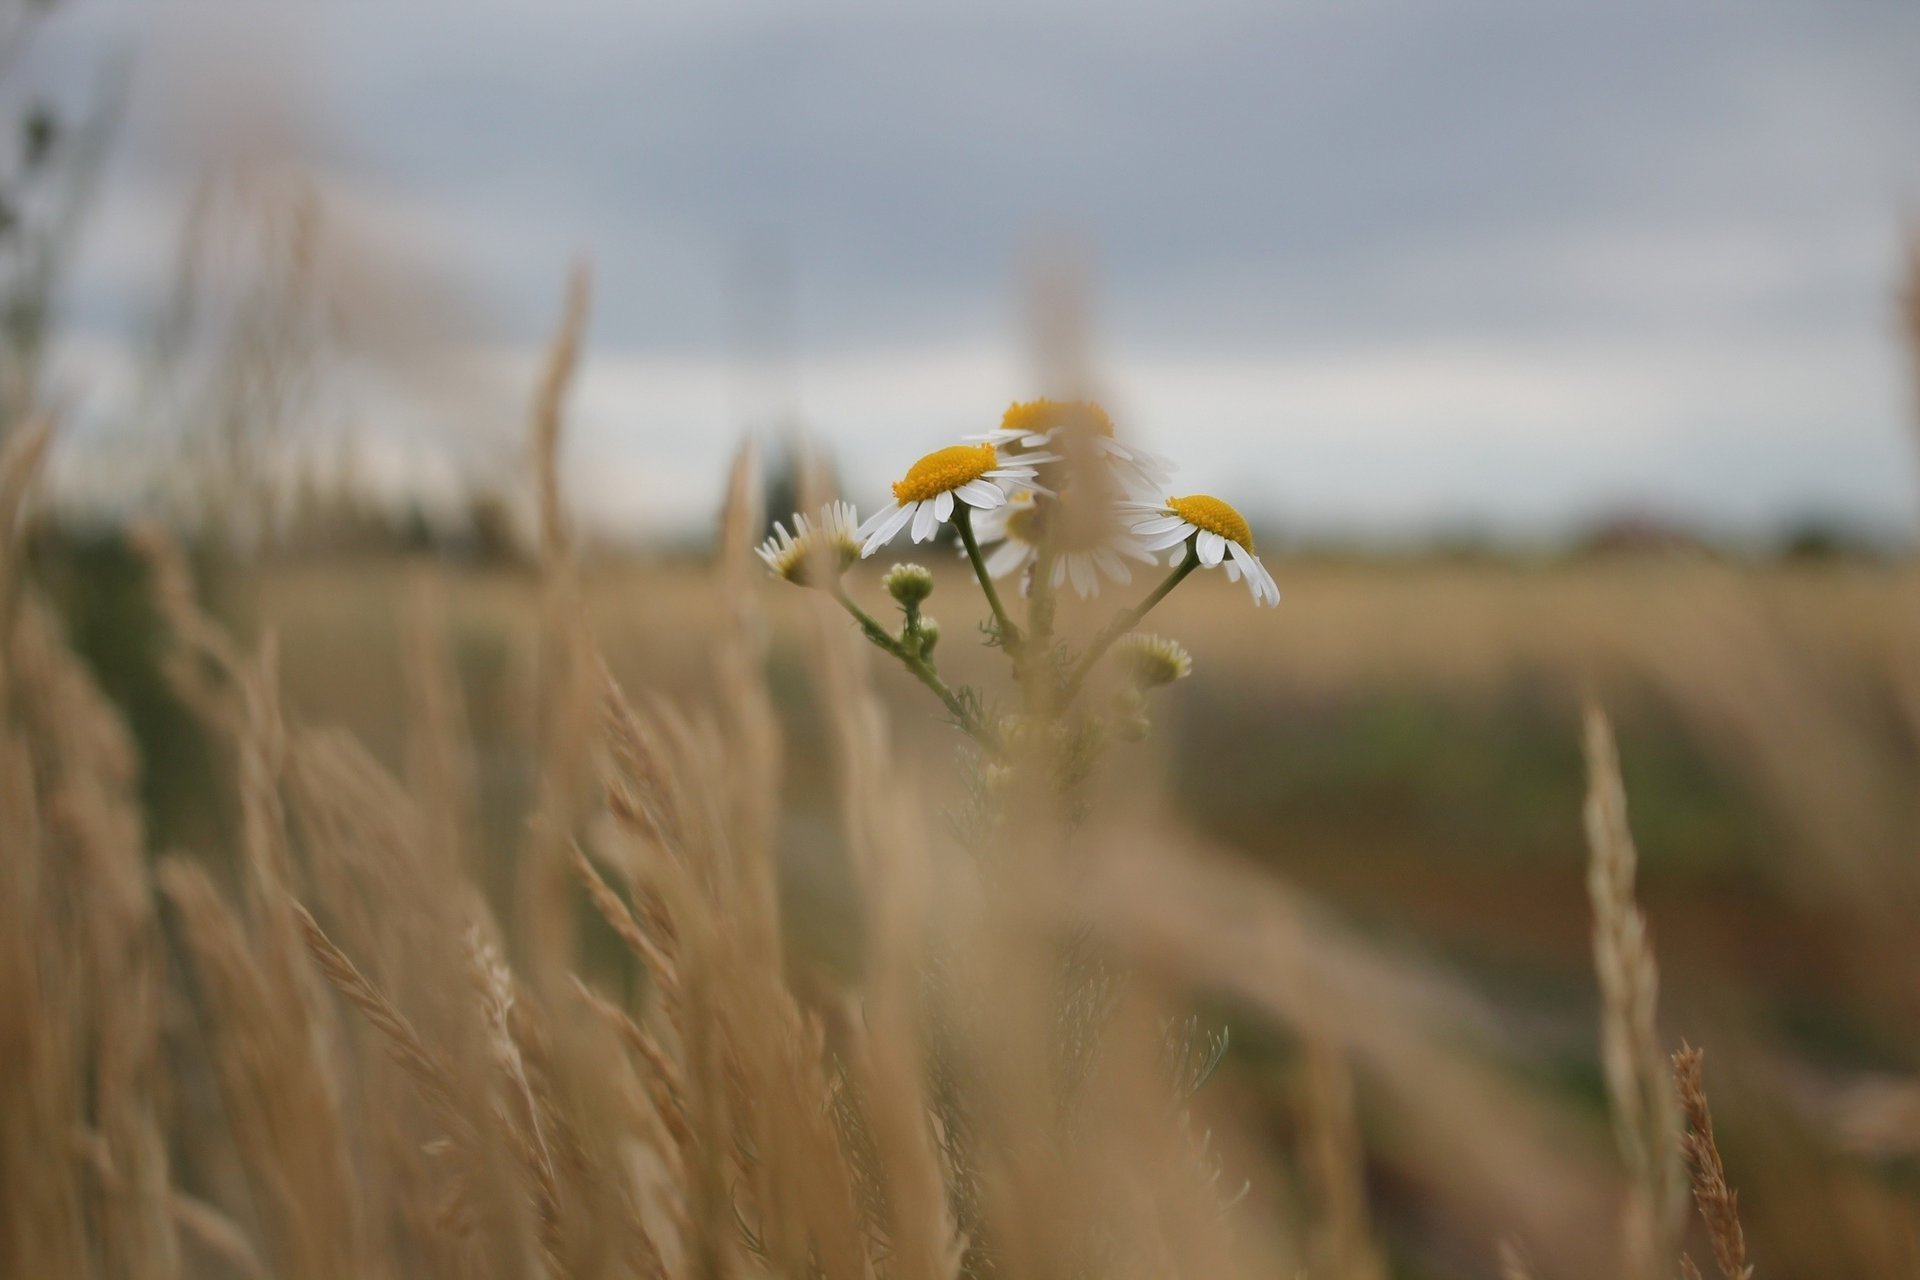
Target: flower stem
(1009, 634)
(1128, 619)
(922, 670)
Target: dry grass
(1719, 1203)
(348, 1046)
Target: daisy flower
(829, 540)
(1035, 424)
(969, 473)
(1086, 555)
(1219, 534)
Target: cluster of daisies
(1052, 482)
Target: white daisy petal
(1171, 538)
(887, 524)
(1008, 557)
(978, 493)
(990, 525)
(875, 520)
(1081, 571)
(943, 505)
(1159, 524)
(925, 521)
(1112, 565)
(1266, 581)
(1212, 548)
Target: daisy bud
(1153, 660)
(909, 584)
(929, 633)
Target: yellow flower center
(1034, 416)
(1214, 516)
(944, 469)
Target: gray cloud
(1642, 195)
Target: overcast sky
(1367, 265)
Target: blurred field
(1402, 738)
(1401, 741)
(1398, 746)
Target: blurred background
(1548, 348)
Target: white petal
(925, 521)
(1112, 565)
(1266, 581)
(1007, 557)
(1171, 538)
(943, 505)
(888, 523)
(1159, 524)
(978, 493)
(875, 520)
(1059, 571)
(991, 526)
(1084, 583)
(1212, 548)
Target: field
(1400, 747)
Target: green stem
(963, 521)
(1039, 681)
(1129, 619)
(922, 670)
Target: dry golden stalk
(659, 967)
(1341, 1243)
(522, 1121)
(218, 1235)
(1645, 1115)
(663, 1078)
(404, 1045)
(440, 764)
(274, 1084)
(1719, 1203)
(1513, 1262)
(20, 462)
(566, 661)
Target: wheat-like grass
(1645, 1113)
(1719, 1203)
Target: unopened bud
(908, 583)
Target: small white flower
(1037, 424)
(828, 542)
(969, 473)
(1219, 533)
(1090, 544)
